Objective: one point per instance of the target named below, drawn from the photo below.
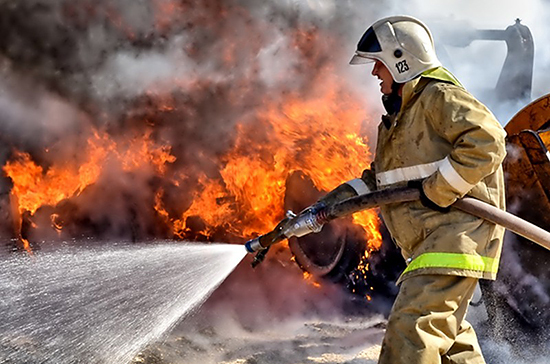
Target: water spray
(101, 305)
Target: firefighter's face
(384, 75)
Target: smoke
(31, 115)
(180, 73)
(99, 55)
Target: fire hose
(312, 219)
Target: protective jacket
(443, 135)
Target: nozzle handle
(259, 257)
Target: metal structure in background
(516, 77)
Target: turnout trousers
(427, 325)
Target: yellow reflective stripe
(454, 261)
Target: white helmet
(402, 43)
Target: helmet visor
(357, 59)
(369, 42)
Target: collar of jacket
(442, 74)
(415, 86)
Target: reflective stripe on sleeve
(453, 178)
(407, 173)
(421, 171)
(359, 186)
(454, 261)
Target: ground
(217, 335)
(348, 341)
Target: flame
(159, 207)
(33, 186)
(363, 266)
(213, 210)
(309, 278)
(26, 245)
(56, 223)
(318, 133)
(320, 136)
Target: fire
(309, 278)
(363, 266)
(295, 135)
(56, 224)
(34, 187)
(319, 136)
(315, 127)
(26, 245)
(210, 206)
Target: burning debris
(184, 123)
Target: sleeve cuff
(439, 191)
(455, 180)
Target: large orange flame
(34, 187)
(320, 136)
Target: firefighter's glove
(369, 177)
(426, 202)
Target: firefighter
(438, 138)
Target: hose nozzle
(310, 220)
(254, 245)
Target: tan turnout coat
(443, 134)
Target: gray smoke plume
(478, 64)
